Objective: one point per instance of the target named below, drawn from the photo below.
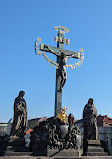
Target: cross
(62, 56)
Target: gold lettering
(79, 55)
(63, 28)
(68, 65)
(67, 30)
(82, 58)
(37, 44)
(56, 38)
(39, 39)
(41, 46)
(81, 62)
(75, 64)
(72, 67)
(39, 52)
(53, 62)
(47, 60)
(81, 50)
(56, 27)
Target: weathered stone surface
(20, 121)
(43, 157)
(14, 147)
(94, 149)
(97, 154)
(61, 153)
(54, 137)
(90, 122)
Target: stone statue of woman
(90, 121)
(20, 121)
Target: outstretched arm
(50, 49)
(76, 55)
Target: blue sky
(90, 24)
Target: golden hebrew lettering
(39, 52)
(44, 54)
(39, 39)
(41, 46)
(56, 27)
(37, 44)
(82, 58)
(72, 67)
(63, 28)
(60, 39)
(67, 30)
(81, 50)
(53, 63)
(79, 55)
(56, 38)
(81, 62)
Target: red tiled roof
(104, 121)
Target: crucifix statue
(62, 56)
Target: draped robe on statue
(20, 121)
(90, 122)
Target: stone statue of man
(90, 121)
(20, 121)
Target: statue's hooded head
(90, 101)
(21, 93)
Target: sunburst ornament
(61, 64)
(39, 45)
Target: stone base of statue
(58, 153)
(95, 149)
(55, 138)
(14, 147)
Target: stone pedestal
(15, 147)
(63, 153)
(59, 153)
(95, 149)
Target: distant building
(9, 126)
(104, 121)
(79, 123)
(35, 122)
(105, 131)
(3, 129)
